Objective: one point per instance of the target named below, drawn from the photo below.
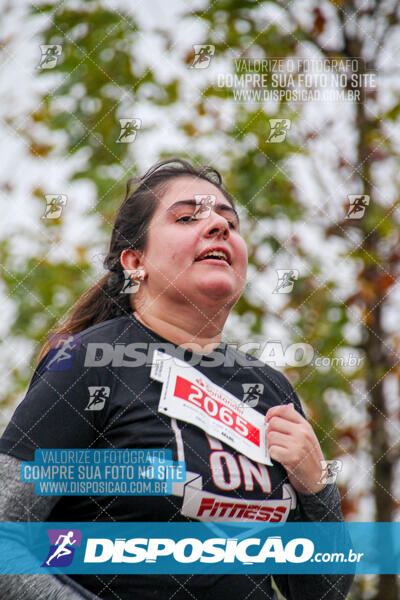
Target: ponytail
(101, 302)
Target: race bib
(188, 395)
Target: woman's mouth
(214, 256)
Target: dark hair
(103, 300)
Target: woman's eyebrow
(193, 203)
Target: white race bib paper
(188, 395)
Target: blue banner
(199, 548)
(111, 472)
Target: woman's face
(177, 242)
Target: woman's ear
(131, 259)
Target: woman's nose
(217, 225)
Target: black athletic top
(95, 391)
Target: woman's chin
(217, 288)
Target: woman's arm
(322, 506)
(18, 502)
(296, 446)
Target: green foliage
(98, 81)
(94, 83)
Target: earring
(132, 279)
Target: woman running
(175, 268)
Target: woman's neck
(181, 333)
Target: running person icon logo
(60, 552)
(98, 396)
(132, 280)
(50, 56)
(62, 351)
(252, 393)
(330, 470)
(128, 131)
(202, 56)
(279, 130)
(54, 206)
(286, 279)
(357, 206)
(204, 204)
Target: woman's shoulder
(69, 351)
(269, 375)
(246, 360)
(112, 330)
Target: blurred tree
(91, 82)
(342, 300)
(320, 310)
